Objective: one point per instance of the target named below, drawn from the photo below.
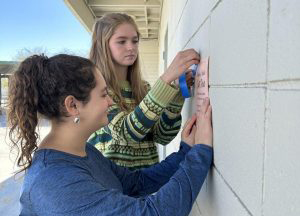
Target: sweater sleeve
(81, 195)
(169, 123)
(135, 125)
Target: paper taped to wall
(201, 83)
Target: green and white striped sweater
(129, 139)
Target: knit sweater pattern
(130, 138)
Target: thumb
(194, 131)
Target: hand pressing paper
(201, 83)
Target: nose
(130, 46)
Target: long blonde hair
(100, 55)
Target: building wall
(148, 51)
(254, 51)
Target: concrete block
(195, 210)
(238, 122)
(238, 42)
(282, 178)
(284, 43)
(217, 199)
(194, 16)
(173, 50)
(200, 41)
(175, 14)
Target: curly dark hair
(39, 87)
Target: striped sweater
(129, 138)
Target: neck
(121, 72)
(68, 137)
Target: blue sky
(47, 24)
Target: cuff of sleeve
(178, 99)
(162, 93)
(204, 146)
(184, 147)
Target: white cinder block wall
(149, 60)
(254, 49)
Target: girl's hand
(204, 132)
(189, 79)
(180, 64)
(189, 130)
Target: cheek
(136, 47)
(113, 49)
(116, 53)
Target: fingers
(190, 83)
(209, 111)
(190, 53)
(189, 78)
(189, 124)
(180, 64)
(194, 129)
(204, 107)
(189, 63)
(189, 57)
(189, 73)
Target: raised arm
(134, 126)
(169, 123)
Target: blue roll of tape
(183, 85)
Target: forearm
(177, 196)
(157, 175)
(168, 126)
(136, 125)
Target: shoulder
(93, 152)
(59, 178)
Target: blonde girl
(140, 116)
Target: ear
(72, 105)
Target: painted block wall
(254, 51)
(149, 60)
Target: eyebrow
(122, 37)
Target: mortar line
(264, 147)
(276, 84)
(250, 85)
(172, 37)
(232, 191)
(198, 208)
(285, 80)
(204, 21)
(286, 90)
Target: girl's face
(94, 113)
(123, 45)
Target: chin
(128, 64)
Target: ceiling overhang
(147, 13)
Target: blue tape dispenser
(183, 85)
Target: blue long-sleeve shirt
(61, 184)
